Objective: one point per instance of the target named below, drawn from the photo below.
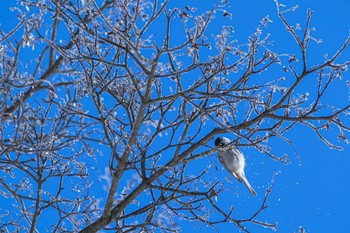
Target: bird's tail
(250, 188)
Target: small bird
(233, 161)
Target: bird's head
(222, 141)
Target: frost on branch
(109, 108)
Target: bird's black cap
(218, 141)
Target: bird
(233, 161)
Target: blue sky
(312, 194)
(311, 191)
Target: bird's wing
(223, 162)
(238, 160)
(221, 159)
(237, 178)
(234, 153)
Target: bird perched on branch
(233, 161)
